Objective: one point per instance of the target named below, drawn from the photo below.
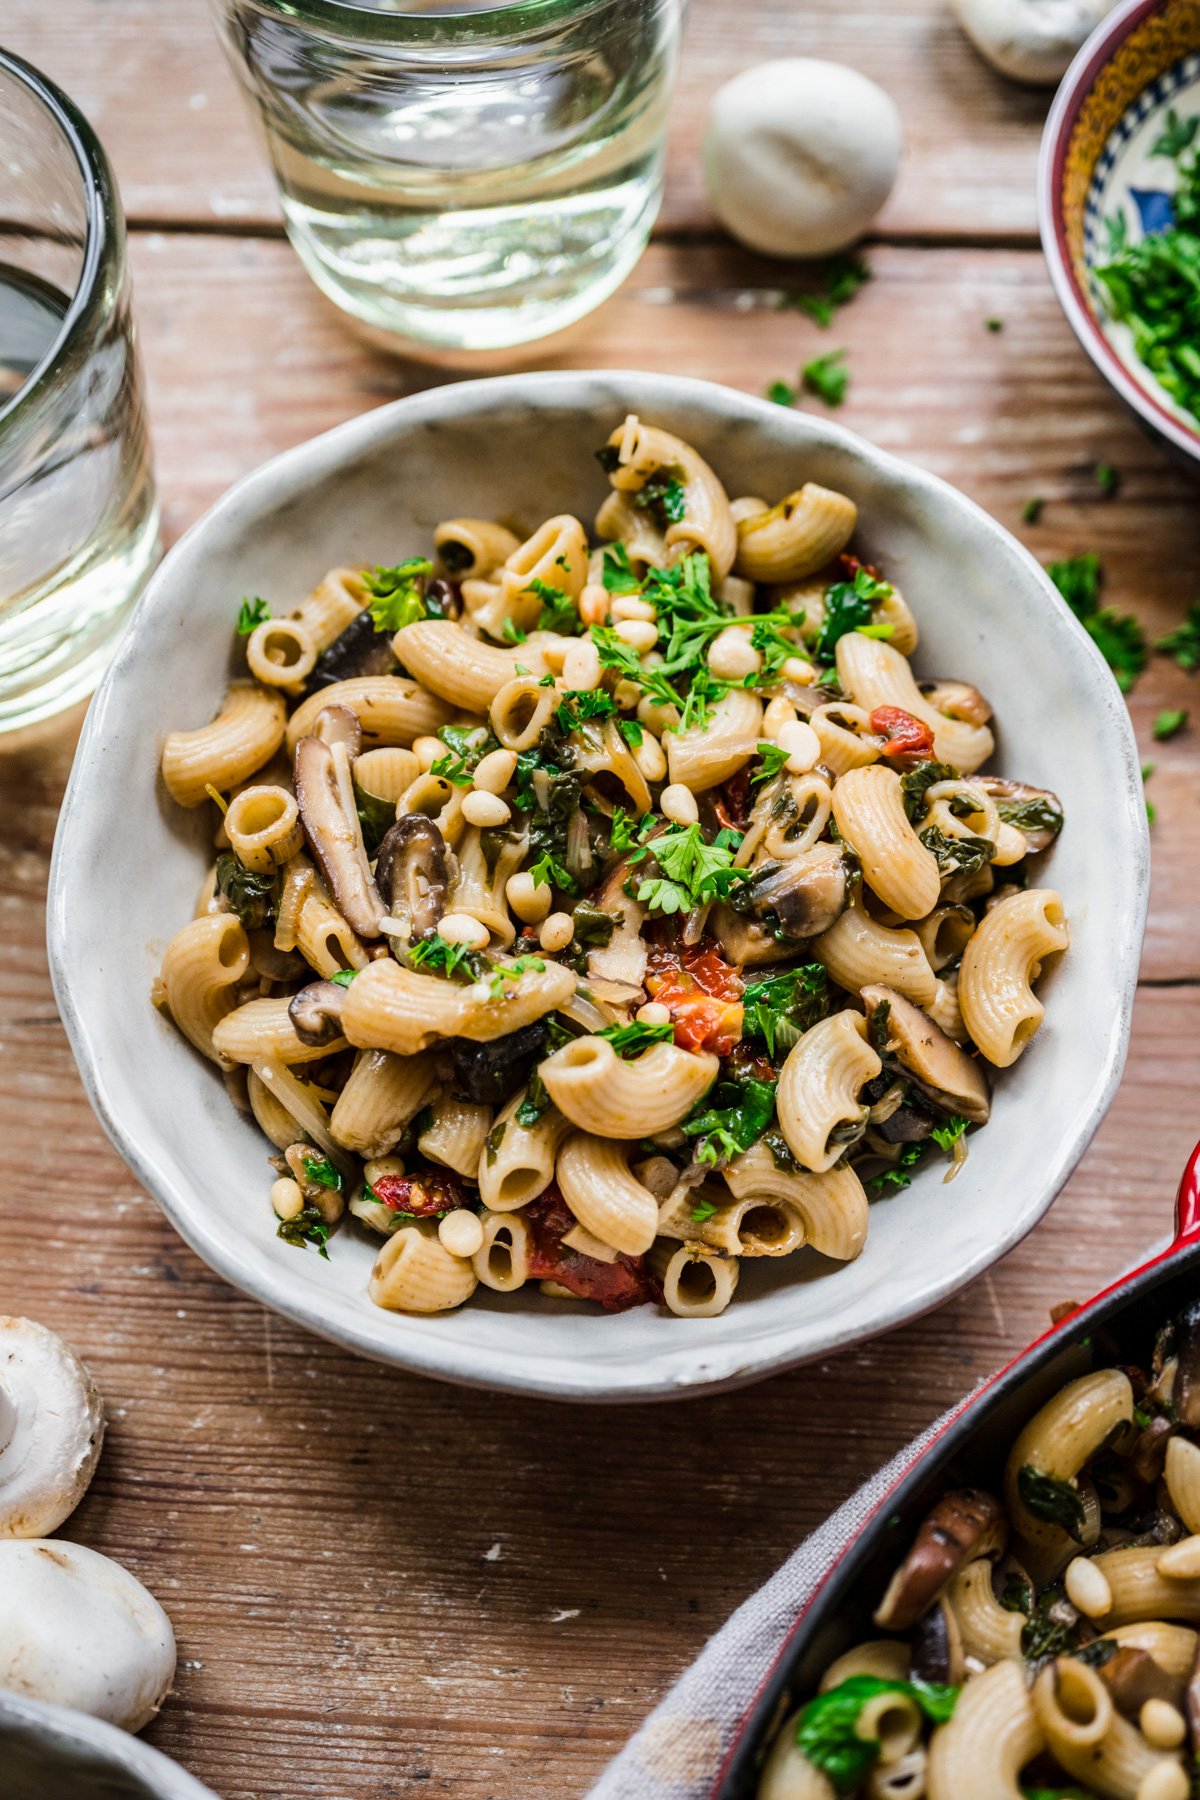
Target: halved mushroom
(78, 1630)
(805, 894)
(936, 1647)
(325, 796)
(339, 724)
(1186, 1392)
(1036, 812)
(963, 1526)
(957, 700)
(412, 875)
(945, 1072)
(316, 1012)
(51, 1429)
(359, 650)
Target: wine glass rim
(366, 19)
(100, 270)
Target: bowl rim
(1064, 112)
(723, 1366)
(71, 1730)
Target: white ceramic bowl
(128, 864)
(53, 1753)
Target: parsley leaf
(398, 594)
(704, 1210)
(848, 607)
(343, 977)
(251, 614)
(773, 758)
(693, 871)
(617, 571)
(781, 392)
(1169, 723)
(616, 654)
(452, 768)
(1031, 512)
(559, 612)
(1119, 637)
(827, 377)
(632, 1039)
(843, 278)
(947, 1135)
(440, 957)
(897, 1176)
(1184, 642)
(1151, 809)
(780, 1008)
(663, 496)
(579, 704)
(631, 731)
(547, 872)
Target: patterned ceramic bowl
(1104, 180)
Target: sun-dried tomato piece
(616, 1286)
(701, 992)
(432, 1191)
(907, 737)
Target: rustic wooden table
(382, 1586)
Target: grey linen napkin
(677, 1753)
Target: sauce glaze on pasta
(1039, 1642)
(602, 912)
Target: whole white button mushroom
(1030, 40)
(79, 1630)
(51, 1429)
(799, 155)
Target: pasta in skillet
(1039, 1640)
(599, 913)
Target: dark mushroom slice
(957, 700)
(412, 874)
(316, 1012)
(1036, 812)
(964, 1525)
(334, 834)
(1187, 1377)
(805, 895)
(339, 725)
(488, 1073)
(359, 650)
(936, 1647)
(947, 1074)
(1132, 1677)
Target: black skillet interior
(1118, 1326)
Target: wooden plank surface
(384, 1587)
(153, 81)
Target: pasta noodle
(620, 901)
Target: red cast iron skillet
(969, 1450)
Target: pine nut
(581, 666)
(494, 771)
(593, 604)
(639, 634)
(461, 928)
(1163, 1725)
(651, 758)
(657, 717)
(628, 606)
(557, 932)
(795, 668)
(776, 714)
(485, 810)
(286, 1199)
(1165, 1781)
(802, 744)
(653, 1013)
(530, 902)
(427, 750)
(461, 1232)
(1181, 1561)
(678, 803)
(1087, 1588)
(731, 655)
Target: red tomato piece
(732, 802)
(905, 735)
(615, 1286)
(701, 992)
(429, 1192)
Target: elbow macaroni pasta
(551, 859)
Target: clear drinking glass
(467, 179)
(78, 517)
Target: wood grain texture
(384, 1587)
(154, 83)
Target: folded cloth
(678, 1752)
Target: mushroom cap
(77, 1629)
(943, 1069)
(962, 1526)
(51, 1429)
(799, 155)
(1030, 40)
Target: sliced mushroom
(359, 650)
(325, 795)
(488, 1073)
(806, 893)
(957, 700)
(51, 1429)
(620, 965)
(316, 1012)
(78, 1630)
(963, 1526)
(936, 1647)
(1187, 1379)
(1021, 793)
(412, 874)
(339, 724)
(1132, 1677)
(947, 1073)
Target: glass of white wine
(462, 177)
(78, 516)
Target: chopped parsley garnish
(616, 654)
(439, 957)
(663, 496)
(322, 1171)
(827, 1729)
(947, 1135)
(781, 1007)
(308, 1227)
(993, 324)
(732, 1116)
(1184, 642)
(781, 392)
(632, 1039)
(1151, 809)
(1053, 1501)
(617, 571)
(631, 731)
(827, 377)
(843, 278)
(452, 768)
(343, 977)
(1118, 636)
(848, 607)
(512, 633)
(398, 594)
(580, 704)
(517, 966)
(897, 1176)
(703, 1211)
(251, 614)
(548, 872)
(1170, 722)
(559, 612)
(1031, 512)
(692, 872)
(773, 758)
(1107, 479)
